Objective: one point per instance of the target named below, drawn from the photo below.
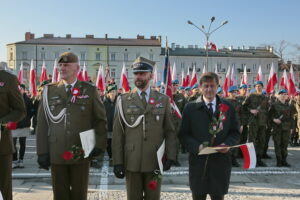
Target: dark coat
(110, 111)
(208, 174)
(26, 121)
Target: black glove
(95, 152)
(119, 171)
(167, 164)
(44, 161)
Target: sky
(251, 22)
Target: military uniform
(243, 117)
(57, 135)
(281, 132)
(257, 123)
(12, 108)
(138, 131)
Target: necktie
(69, 92)
(143, 94)
(211, 111)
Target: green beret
(68, 57)
(111, 88)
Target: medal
(75, 93)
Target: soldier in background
(12, 109)
(220, 92)
(66, 109)
(143, 120)
(282, 120)
(187, 92)
(195, 93)
(257, 105)
(295, 103)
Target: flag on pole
(43, 76)
(32, 82)
(272, 80)
(124, 80)
(284, 80)
(204, 69)
(21, 74)
(84, 73)
(226, 84)
(55, 72)
(107, 75)
(291, 85)
(213, 47)
(187, 78)
(79, 73)
(259, 76)
(182, 79)
(249, 155)
(174, 72)
(100, 82)
(244, 79)
(194, 77)
(155, 76)
(216, 69)
(232, 77)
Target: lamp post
(207, 34)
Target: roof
(251, 53)
(92, 41)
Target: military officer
(257, 105)
(282, 120)
(12, 109)
(142, 122)
(66, 109)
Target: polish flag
(204, 69)
(55, 73)
(249, 155)
(284, 80)
(84, 73)
(100, 83)
(272, 80)
(21, 76)
(182, 79)
(32, 82)
(187, 78)
(291, 84)
(244, 79)
(232, 77)
(155, 76)
(174, 72)
(194, 77)
(259, 76)
(79, 73)
(216, 69)
(226, 84)
(124, 80)
(44, 73)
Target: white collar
(147, 91)
(214, 102)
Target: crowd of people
(131, 126)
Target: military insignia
(152, 101)
(82, 108)
(2, 84)
(132, 106)
(83, 97)
(56, 97)
(75, 93)
(157, 117)
(65, 59)
(132, 118)
(52, 108)
(159, 105)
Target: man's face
(283, 97)
(209, 89)
(258, 88)
(175, 87)
(68, 71)
(112, 94)
(232, 94)
(243, 91)
(141, 79)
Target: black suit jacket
(209, 174)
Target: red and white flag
(204, 69)
(84, 73)
(55, 72)
(259, 76)
(124, 80)
(249, 155)
(213, 47)
(174, 72)
(272, 80)
(232, 77)
(155, 76)
(21, 74)
(100, 82)
(194, 77)
(244, 79)
(226, 84)
(43, 76)
(291, 84)
(79, 73)
(182, 79)
(284, 80)
(187, 78)
(32, 82)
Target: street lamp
(207, 33)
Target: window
(138, 55)
(125, 56)
(11, 56)
(113, 72)
(43, 55)
(98, 56)
(219, 66)
(113, 56)
(151, 56)
(24, 55)
(254, 66)
(268, 66)
(243, 65)
(82, 56)
(182, 65)
(56, 55)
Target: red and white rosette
(152, 101)
(75, 93)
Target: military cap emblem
(68, 57)
(142, 65)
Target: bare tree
(280, 48)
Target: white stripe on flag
(249, 155)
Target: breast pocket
(158, 114)
(56, 106)
(131, 114)
(82, 105)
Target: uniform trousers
(281, 141)
(137, 186)
(203, 197)
(70, 182)
(5, 176)
(257, 135)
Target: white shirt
(72, 84)
(214, 103)
(147, 93)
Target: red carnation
(152, 185)
(224, 108)
(68, 155)
(11, 125)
